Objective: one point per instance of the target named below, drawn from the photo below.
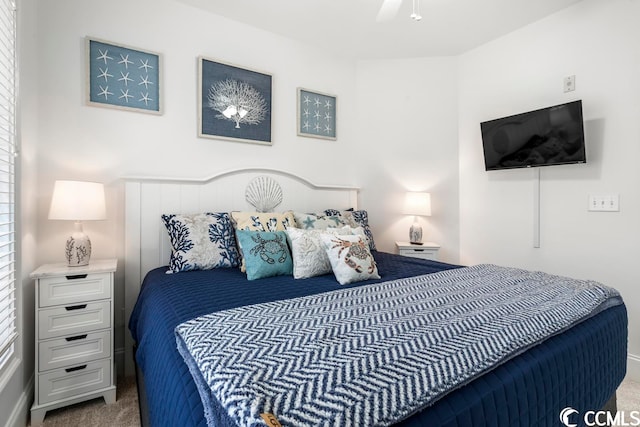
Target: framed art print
(316, 114)
(234, 103)
(123, 77)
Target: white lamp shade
(78, 201)
(418, 204)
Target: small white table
(74, 335)
(428, 250)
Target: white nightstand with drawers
(74, 335)
(427, 250)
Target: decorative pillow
(355, 219)
(201, 242)
(309, 256)
(266, 253)
(261, 221)
(318, 221)
(358, 231)
(350, 258)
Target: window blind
(8, 67)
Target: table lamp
(78, 201)
(417, 204)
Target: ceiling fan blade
(388, 10)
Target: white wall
(78, 141)
(596, 41)
(407, 137)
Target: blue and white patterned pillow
(318, 221)
(262, 221)
(201, 241)
(353, 218)
(266, 253)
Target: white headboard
(147, 198)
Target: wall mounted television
(544, 137)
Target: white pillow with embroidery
(309, 257)
(357, 231)
(350, 258)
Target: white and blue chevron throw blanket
(373, 355)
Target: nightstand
(74, 335)
(427, 250)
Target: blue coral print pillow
(355, 219)
(201, 242)
(266, 253)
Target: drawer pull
(76, 307)
(77, 276)
(77, 337)
(418, 250)
(77, 368)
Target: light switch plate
(608, 203)
(569, 84)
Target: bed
(578, 367)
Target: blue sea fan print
(201, 241)
(180, 243)
(221, 233)
(285, 223)
(178, 233)
(178, 263)
(257, 224)
(361, 217)
(272, 225)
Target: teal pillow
(266, 253)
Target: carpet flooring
(628, 395)
(124, 413)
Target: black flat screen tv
(544, 137)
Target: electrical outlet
(569, 84)
(610, 203)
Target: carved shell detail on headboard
(263, 193)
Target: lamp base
(78, 248)
(415, 234)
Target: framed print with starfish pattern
(317, 114)
(123, 77)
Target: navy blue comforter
(531, 389)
